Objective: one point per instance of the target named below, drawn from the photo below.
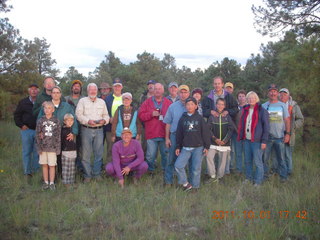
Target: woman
(61, 108)
(254, 131)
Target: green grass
(149, 211)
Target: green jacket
(42, 97)
(296, 120)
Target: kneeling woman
(254, 130)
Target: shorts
(49, 158)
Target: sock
(47, 182)
(51, 183)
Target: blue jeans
(287, 158)
(278, 145)
(253, 154)
(92, 141)
(30, 157)
(168, 174)
(194, 158)
(152, 149)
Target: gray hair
(48, 103)
(92, 84)
(68, 116)
(252, 93)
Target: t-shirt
(248, 124)
(277, 113)
(174, 114)
(117, 101)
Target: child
(69, 151)
(48, 137)
(221, 127)
(126, 116)
(193, 139)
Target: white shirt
(248, 124)
(92, 110)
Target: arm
(140, 156)
(205, 134)
(80, 113)
(17, 115)
(105, 114)
(298, 121)
(145, 114)
(114, 123)
(179, 134)
(265, 125)
(230, 130)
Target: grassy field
(149, 211)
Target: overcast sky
(196, 33)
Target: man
(296, 121)
(48, 84)
(149, 92)
(76, 89)
(105, 90)
(113, 101)
(127, 157)
(92, 113)
(229, 87)
(209, 107)
(26, 121)
(173, 92)
(171, 120)
(151, 113)
(279, 131)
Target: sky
(197, 33)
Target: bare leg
(45, 172)
(52, 170)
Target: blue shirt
(174, 114)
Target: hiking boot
(52, 187)
(211, 179)
(45, 186)
(187, 188)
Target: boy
(48, 137)
(221, 128)
(69, 151)
(193, 139)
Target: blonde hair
(48, 103)
(57, 88)
(253, 94)
(68, 116)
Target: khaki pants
(222, 162)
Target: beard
(76, 91)
(92, 96)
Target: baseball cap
(126, 130)
(173, 84)
(191, 99)
(33, 85)
(126, 95)
(197, 90)
(228, 84)
(75, 82)
(104, 85)
(284, 90)
(184, 87)
(272, 87)
(117, 81)
(151, 82)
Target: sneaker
(211, 179)
(187, 188)
(45, 186)
(52, 187)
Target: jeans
(278, 145)
(194, 157)
(30, 157)
(287, 158)
(253, 154)
(92, 141)
(152, 149)
(169, 171)
(238, 153)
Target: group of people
(239, 133)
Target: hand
(225, 113)
(263, 146)
(168, 143)
(214, 113)
(125, 171)
(138, 137)
(24, 127)
(102, 121)
(222, 142)
(113, 139)
(70, 137)
(110, 120)
(177, 152)
(218, 141)
(91, 122)
(205, 152)
(155, 113)
(286, 138)
(121, 183)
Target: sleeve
(233, 106)
(145, 114)
(299, 119)
(116, 161)
(17, 115)
(179, 134)
(230, 129)
(168, 118)
(140, 156)
(80, 112)
(206, 107)
(205, 134)
(211, 128)
(265, 126)
(139, 126)
(105, 113)
(114, 123)
(285, 112)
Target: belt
(92, 127)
